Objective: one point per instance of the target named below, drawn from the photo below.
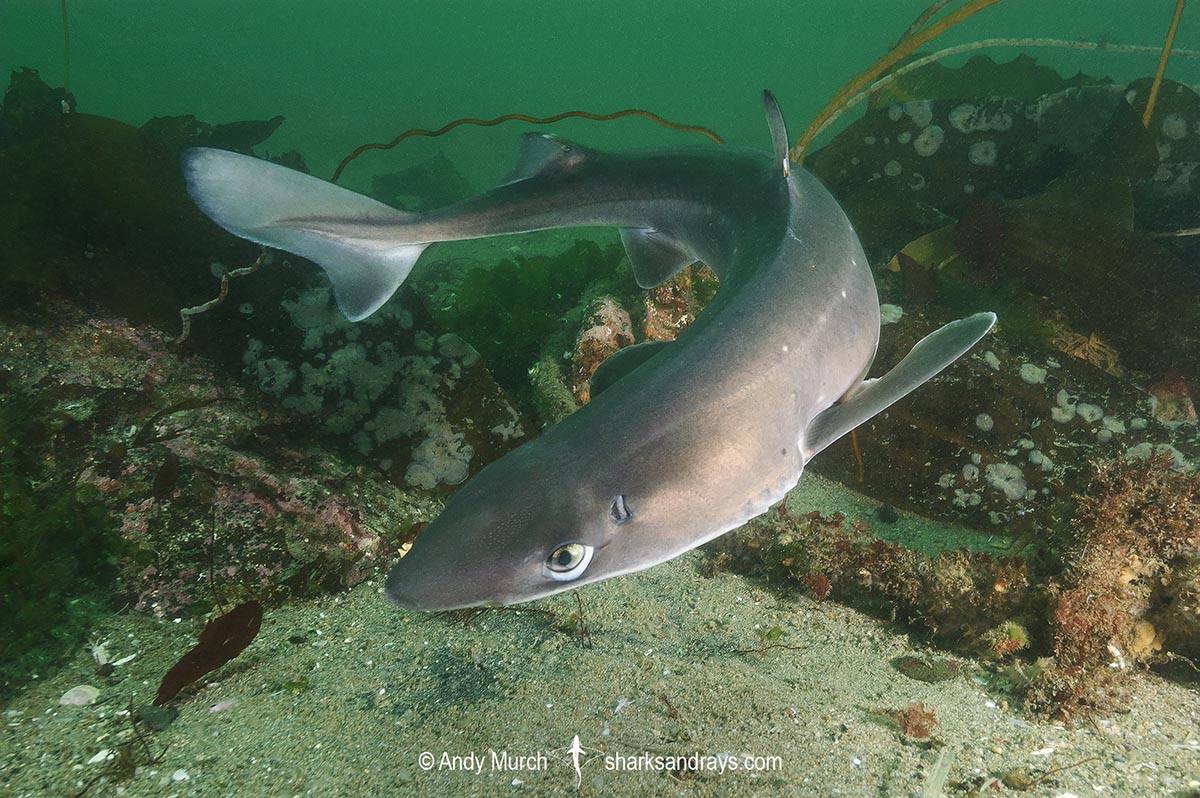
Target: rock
(394, 388)
(920, 454)
(179, 132)
(606, 329)
(80, 696)
(31, 107)
(1178, 616)
(673, 305)
(552, 397)
(254, 505)
(1172, 400)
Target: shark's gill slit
(619, 511)
(568, 561)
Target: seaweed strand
(892, 57)
(185, 314)
(926, 15)
(545, 120)
(1162, 62)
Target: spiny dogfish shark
(681, 441)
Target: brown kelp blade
(223, 638)
(1074, 245)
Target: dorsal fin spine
(779, 134)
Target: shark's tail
(280, 207)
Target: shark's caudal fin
(282, 208)
(931, 354)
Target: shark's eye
(618, 511)
(568, 562)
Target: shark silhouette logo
(576, 749)
(576, 756)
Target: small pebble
(984, 422)
(180, 775)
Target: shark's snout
(417, 586)
(402, 589)
(431, 578)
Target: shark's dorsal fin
(931, 354)
(540, 152)
(655, 256)
(620, 363)
(779, 134)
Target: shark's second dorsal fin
(539, 152)
(620, 363)
(779, 134)
(654, 256)
(931, 354)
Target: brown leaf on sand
(223, 638)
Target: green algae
(56, 572)
(518, 309)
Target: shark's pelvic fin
(779, 134)
(280, 207)
(654, 256)
(620, 363)
(931, 354)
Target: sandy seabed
(350, 696)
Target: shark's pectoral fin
(621, 362)
(931, 354)
(655, 256)
(282, 208)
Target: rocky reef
(1065, 634)
(280, 450)
(207, 493)
(277, 452)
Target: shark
(682, 441)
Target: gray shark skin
(682, 441)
